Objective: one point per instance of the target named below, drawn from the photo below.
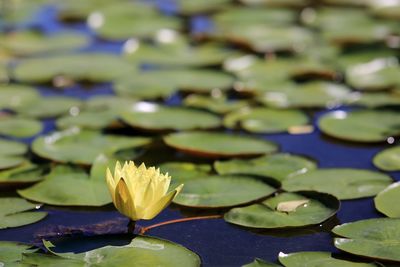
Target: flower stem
(145, 229)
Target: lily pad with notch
(222, 191)
(219, 145)
(366, 126)
(25, 173)
(154, 117)
(342, 183)
(372, 238)
(15, 212)
(62, 146)
(318, 208)
(277, 166)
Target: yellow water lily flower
(140, 192)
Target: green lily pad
(218, 145)
(184, 171)
(11, 153)
(11, 252)
(29, 42)
(384, 201)
(130, 19)
(156, 84)
(319, 208)
(13, 96)
(284, 3)
(177, 52)
(317, 259)
(47, 107)
(361, 125)
(342, 183)
(93, 67)
(222, 191)
(20, 11)
(76, 10)
(374, 99)
(142, 251)
(15, 212)
(3, 73)
(19, 127)
(200, 6)
(25, 173)
(277, 166)
(109, 102)
(260, 263)
(264, 120)
(67, 186)
(94, 120)
(150, 116)
(218, 105)
(310, 95)
(378, 74)
(372, 238)
(388, 159)
(82, 147)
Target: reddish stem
(145, 229)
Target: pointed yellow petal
(156, 208)
(124, 201)
(110, 184)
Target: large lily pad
(67, 186)
(386, 199)
(310, 95)
(11, 153)
(388, 159)
(130, 19)
(93, 67)
(89, 120)
(48, 107)
(13, 96)
(15, 212)
(317, 259)
(276, 166)
(215, 145)
(342, 183)
(222, 191)
(82, 147)
(318, 208)
(372, 238)
(150, 116)
(25, 173)
(156, 84)
(361, 125)
(19, 127)
(264, 120)
(11, 252)
(142, 251)
(29, 42)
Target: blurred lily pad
(361, 125)
(384, 201)
(11, 252)
(93, 120)
(372, 238)
(109, 102)
(265, 120)
(222, 191)
(29, 42)
(19, 127)
(218, 105)
(62, 146)
(260, 263)
(183, 171)
(309, 95)
(3, 73)
(76, 10)
(143, 251)
(15, 212)
(67, 186)
(388, 159)
(92, 67)
(317, 259)
(200, 6)
(342, 183)
(277, 166)
(218, 145)
(285, 3)
(130, 19)
(13, 96)
(154, 117)
(161, 84)
(11, 153)
(47, 107)
(374, 99)
(319, 208)
(25, 173)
